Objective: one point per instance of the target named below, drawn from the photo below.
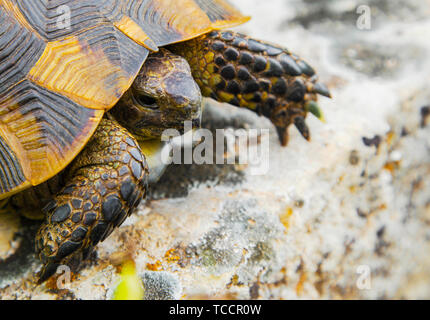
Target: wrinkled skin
(104, 184)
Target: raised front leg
(102, 187)
(272, 81)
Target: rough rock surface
(344, 216)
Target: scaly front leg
(230, 67)
(103, 186)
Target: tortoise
(88, 86)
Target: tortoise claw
(48, 270)
(321, 89)
(300, 124)
(282, 135)
(73, 262)
(314, 108)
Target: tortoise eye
(146, 101)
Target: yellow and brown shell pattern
(63, 63)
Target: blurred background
(345, 216)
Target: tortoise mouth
(158, 123)
(162, 124)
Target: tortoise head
(163, 96)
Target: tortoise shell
(63, 63)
